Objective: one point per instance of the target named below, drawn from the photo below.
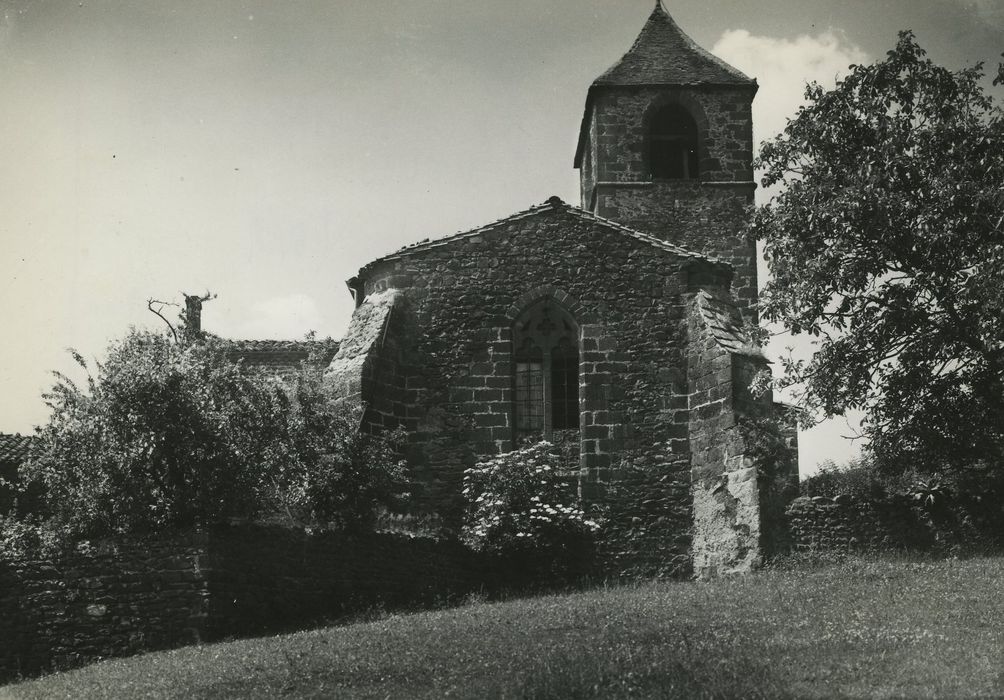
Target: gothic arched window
(545, 371)
(672, 144)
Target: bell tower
(666, 147)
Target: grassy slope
(862, 628)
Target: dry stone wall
(123, 596)
(848, 524)
(112, 599)
(266, 579)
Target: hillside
(873, 628)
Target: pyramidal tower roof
(661, 55)
(664, 55)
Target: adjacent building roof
(14, 448)
(283, 356)
(662, 55)
(551, 205)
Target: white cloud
(990, 11)
(287, 317)
(782, 67)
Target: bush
(164, 435)
(858, 478)
(961, 509)
(173, 434)
(342, 475)
(27, 536)
(777, 476)
(519, 504)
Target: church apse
(616, 326)
(551, 320)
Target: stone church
(615, 326)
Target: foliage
(174, 434)
(342, 474)
(25, 536)
(164, 435)
(886, 245)
(522, 500)
(979, 482)
(930, 492)
(777, 474)
(961, 509)
(858, 479)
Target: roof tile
(14, 448)
(725, 322)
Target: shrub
(519, 503)
(777, 476)
(27, 536)
(961, 509)
(173, 434)
(163, 435)
(342, 475)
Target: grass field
(860, 628)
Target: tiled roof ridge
(278, 345)
(645, 237)
(659, 31)
(552, 204)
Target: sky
(266, 150)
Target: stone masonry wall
(621, 117)
(123, 596)
(847, 524)
(114, 599)
(266, 579)
(707, 216)
(725, 492)
(625, 295)
(708, 219)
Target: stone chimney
(193, 316)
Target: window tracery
(546, 372)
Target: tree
(886, 245)
(171, 433)
(165, 434)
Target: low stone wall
(111, 599)
(897, 523)
(265, 579)
(116, 598)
